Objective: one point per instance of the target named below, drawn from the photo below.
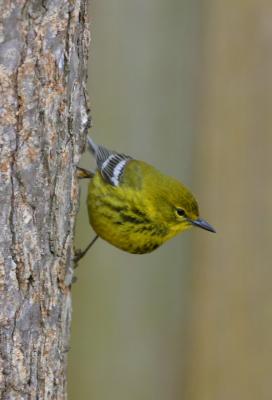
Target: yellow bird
(135, 207)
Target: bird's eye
(180, 212)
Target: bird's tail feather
(92, 146)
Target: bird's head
(181, 209)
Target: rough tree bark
(44, 117)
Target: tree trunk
(44, 117)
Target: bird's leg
(80, 254)
(83, 173)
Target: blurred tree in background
(187, 86)
(231, 329)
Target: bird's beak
(201, 223)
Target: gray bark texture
(43, 123)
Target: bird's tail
(92, 146)
(100, 153)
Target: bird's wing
(109, 163)
(113, 167)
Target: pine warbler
(135, 207)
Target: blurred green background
(187, 86)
